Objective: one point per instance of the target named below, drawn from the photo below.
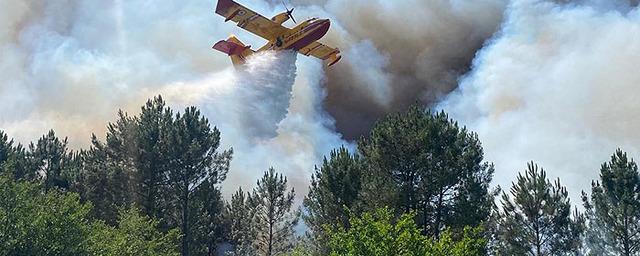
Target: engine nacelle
(280, 18)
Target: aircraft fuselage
(301, 35)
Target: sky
(547, 81)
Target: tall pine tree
(614, 208)
(274, 219)
(239, 216)
(537, 219)
(108, 177)
(194, 160)
(150, 159)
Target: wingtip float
(303, 38)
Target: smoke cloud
(550, 81)
(267, 114)
(70, 65)
(557, 85)
(397, 53)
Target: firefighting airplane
(302, 38)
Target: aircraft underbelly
(309, 38)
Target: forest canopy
(418, 184)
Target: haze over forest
(535, 79)
(548, 81)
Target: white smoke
(70, 65)
(558, 85)
(555, 85)
(270, 117)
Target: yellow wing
(250, 20)
(329, 55)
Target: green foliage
(194, 161)
(472, 243)
(57, 223)
(334, 190)
(168, 165)
(239, 216)
(426, 163)
(135, 235)
(614, 208)
(6, 150)
(32, 223)
(537, 220)
(13, 159)
(208, 224)
(416, 185)
(150, 159)
(103, 182)
(274, 219)
(378, 233)
(52, 162)
(108, 177)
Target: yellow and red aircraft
(302, 38)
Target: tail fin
(235, 49)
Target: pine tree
(150, 161)
(104, 182)
(133, 158)
(426, 163)
(167, 165)
(13, 159)
(210, 227)
(239, 216)
(333, 194)
(274, 219)
(537, 219)
(194, 159)
(6, 149)
(51, 161)
(614, 208)
(108, 178)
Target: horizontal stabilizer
(230, 48)
(235, 49)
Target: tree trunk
(185, 223)
(270, 249)
(625, 239)
(211, 248)
(538, 239)
(436, 231)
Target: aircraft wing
(327, 54)
(250, 20)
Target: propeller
(289, 12)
